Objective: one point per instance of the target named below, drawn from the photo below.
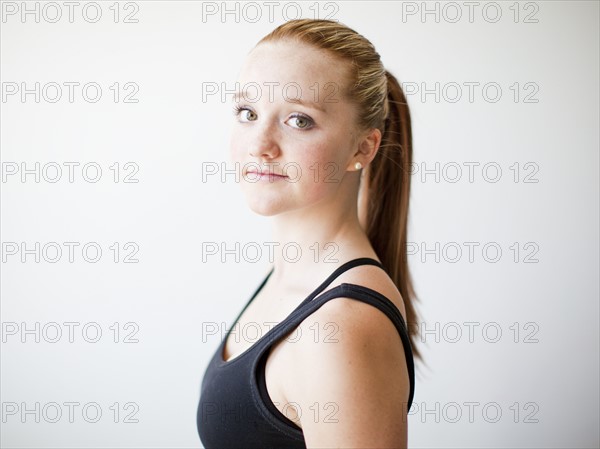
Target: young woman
(325, 149)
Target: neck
(311, 243)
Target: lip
(263, 174)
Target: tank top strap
(361, 293)
(258, 289)
(341, 269)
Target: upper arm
(352, 392)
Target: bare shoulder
(354, 315)
(378, 280)
(351, 364)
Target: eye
(242, 111)
(302, 121)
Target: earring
(358, 165)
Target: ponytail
(389, 177)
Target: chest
(267, 309)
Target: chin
(265, 207)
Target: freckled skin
(318, 156)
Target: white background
(171, 294)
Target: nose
(263, 143)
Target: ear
(368, 147)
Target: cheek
(325, 164)
(317, 172)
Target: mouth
(260, 174)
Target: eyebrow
(309, 104)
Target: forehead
(289, 64)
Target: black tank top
(235, 410)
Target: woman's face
(293, 120)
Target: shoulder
(376, 279)
(356, 329)
(351, 358)
(357, 319)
